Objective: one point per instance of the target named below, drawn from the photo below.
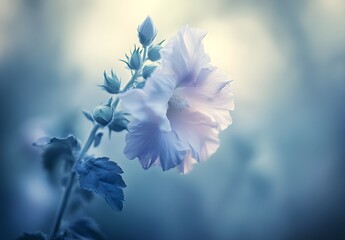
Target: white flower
(182, 108)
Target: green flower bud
(153, 53)
(119, 122)
(111, 83)
(103, 114)
(136, 61)
(148, 70)
(147, 32)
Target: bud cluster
(106, 114)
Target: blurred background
(279, 172)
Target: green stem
(144, 55)
(136, 73)
(89, 141)
(131, 81)
(86, 147)
(70, 184)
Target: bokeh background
(279, 172)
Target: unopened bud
(148, 70)
(111, 83)
(147, 32)
(135, 61)
(153, 53)
(103, 114)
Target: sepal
(119, 122)
(88, 116)
(148, 70)
(135, 61)
(154, 52)
(111, 83)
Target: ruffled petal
(210, 94)
(197, 130)
(182, 108)
(151, 102)
(188, 163)
(184, 55)
(152, 146)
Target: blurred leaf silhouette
(56, 149)
(83, 229)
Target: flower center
(178, 103)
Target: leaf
(102, 176)
(84, 228)
(98, 139)
(57, 148)
(89, 116)
(42, 142)
(33, 236)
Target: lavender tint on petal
(153, 146)
(188, 96)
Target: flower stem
(144, 55)
(130, 83)
(70, 184)
(135, 74)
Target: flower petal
(153, 146)
(184, 54)
(151, 102)
(197, 130)
(211, 95)
(187, 164)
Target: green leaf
(102, 176)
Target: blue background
(279, 172)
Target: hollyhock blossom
(180, 112)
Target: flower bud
(111, 83)
(153, 53)
(147, 32)
(148, 70)
(103, 114)
(135, 62)
(119, 122)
